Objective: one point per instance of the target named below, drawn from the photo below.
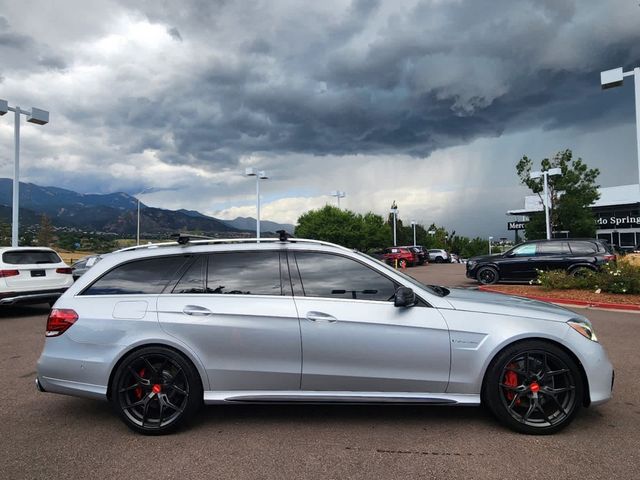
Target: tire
(580, 271)
(439, 259)
(533, 387)
(487, 275)
(156, 390)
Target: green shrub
(620, 278)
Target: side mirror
(405, 297)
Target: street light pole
(490, 240)
(39, 117)
(138, 218)
(546, 201)
(413, 224)
(395, 216)
(338, 194)
(614, 78)
(261, 175)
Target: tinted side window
(193, 279)
(553, 248)
(583, 248)
(525, 250)
(26, 257)
(334, 276)
(244, 273)
(148, 276)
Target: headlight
(471, 263)
(584, 328)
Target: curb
(566, 301)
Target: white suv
(32, 275)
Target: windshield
(435, 289)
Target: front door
(354, 339)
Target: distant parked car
(404, 256)
(420, 252)
(522, 262)
(438, 255)
(32, 275)
(454, 258)
(85, 263)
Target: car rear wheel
(533, 387)
(439, 259)
(155, 390)
(580, 272)
(488, 275)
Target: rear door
(354, 339)
(554, 255)
(27, 270)
(232, 310)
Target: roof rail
(185, 240)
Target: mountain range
(115, 213)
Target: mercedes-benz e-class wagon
(158, 330)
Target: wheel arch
(190, 357)
(586, 400)
(575, 266)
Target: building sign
(516, 225)
(618, 219)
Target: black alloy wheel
(581, 272)
(155, 390)
(487, 275)
(534, 387)
(439, 259)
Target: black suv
(521, 262)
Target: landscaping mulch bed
(579, 295)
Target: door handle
(321, 317)
(196, 310)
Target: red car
(404, 256)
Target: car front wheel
(533, 387)
(155, 390)
(487, 275)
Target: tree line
(371, 232)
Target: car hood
(486, 258)
(501, 304)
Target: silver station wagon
(158, 330)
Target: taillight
(609, 258)
(60, 319)
(65, 270)
(9, 273)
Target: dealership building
(617, 214)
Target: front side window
(334, 276)
(140, 277)
(525, 250)
(244, 273)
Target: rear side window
(334, 276)
(149, 276)
(244, 273)
(553, 248)
(28, 257)
(583, 248)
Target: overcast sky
(429, 103)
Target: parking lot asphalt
(46, 436)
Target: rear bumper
(31, 297)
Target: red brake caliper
(138, 391)
(511, 380)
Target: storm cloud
(185, 94)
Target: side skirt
(299, 396)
